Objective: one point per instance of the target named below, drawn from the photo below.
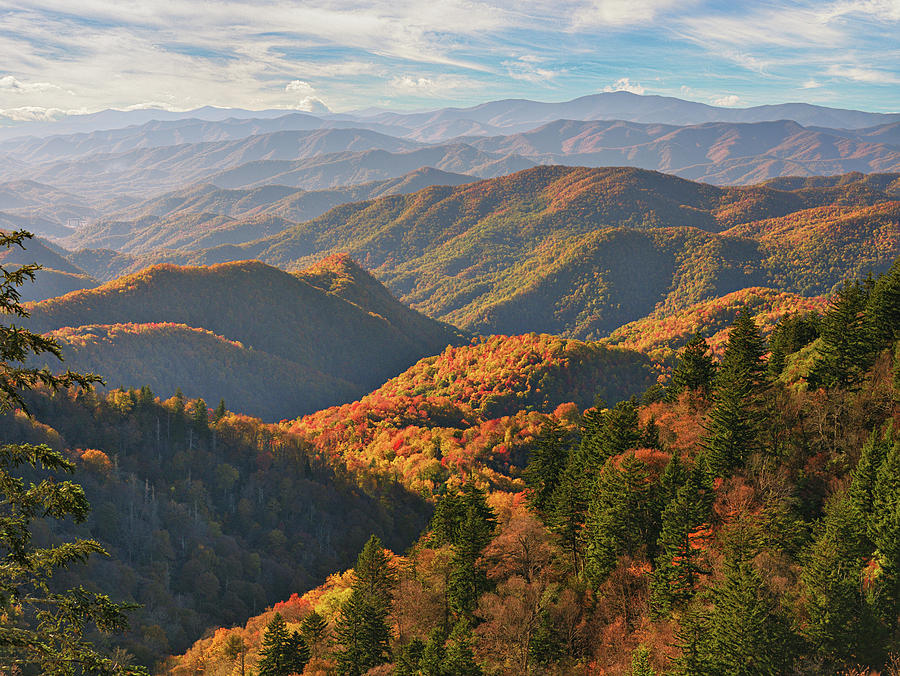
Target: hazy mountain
(327, 171)
(510, 115)
(57, 276)
(203, 215)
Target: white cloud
(313, 104)
(431, 86)
(299, 87)
(727, 100)
(527, 69)
(811, 84)
(861, 74)
(624, 85)
(8, 83)
(38, 114)
(621, 12)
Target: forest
(741, 519)
(520, 503)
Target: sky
(63, 57)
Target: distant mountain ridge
(509, 114)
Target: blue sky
(70, 56)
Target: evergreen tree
(622, 517)
(220, 411)
(235, 649)
(43, 627)
(362, 630)
(460, 654)
(865, 474)
(744, 634)
(884, 307)
(467, 578)
(678, 563)
(569, 504)
(841, 625)
(745, 351)
(846, 350)
(545, 466)
(695, 369)
(640, 662)
(792, 333)
(313, 629)
(282, 652)
(883, 529)
(732, 427)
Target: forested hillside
(741, 520)
(579, 252)
(271, 343)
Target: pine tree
(282, 652)
(846, 351)
(362, 631)
(569, 505)
(640, 662)
(622, 516)
(678, 563)
(883, 529)
(733, 425)
(220, 411)
(745, 350)
(43, 626)
(841, 625)
(750, 636)
(545, 466)
(467, 578)
(883, 306)
(460, 654)
(313, 629)
(695, 369)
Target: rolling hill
(579, 252)
(186, 219)
(277, 317)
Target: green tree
(745, 633)
(42, 629)
(282, 652)
(745, 351)
(622, 517)
(846, 348)
(678, 565)
(467, 578)
(545, 466)
(640, 662)
(841, 625)
(695, 369)
(362, 630)
(313, 629)
(884, 306)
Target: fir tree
(695, 369)
(884, 306)
(545, 466)
(640, 662)
(362, 631)
(282, 652)
(220, 411)
(841, 626)
(732, 427)
(846, 349)
(622, 517)
(313, 630)
(569, 504)
(678, 563)
(745, 350)
(44, 625)
(467, 578)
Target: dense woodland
(743, 519)
(712, 488)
